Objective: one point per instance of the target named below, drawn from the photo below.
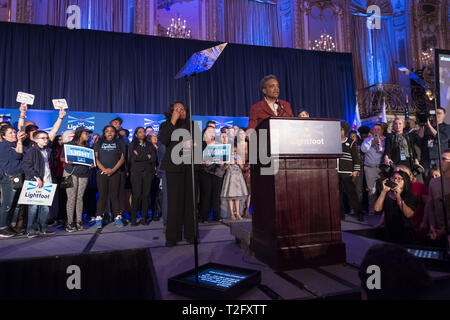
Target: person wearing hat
(80, 175)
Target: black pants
(154, 191)
(180, 215)
(210, 187)
(141, 181)
(347, 185)
(108, 187)
(123, 180)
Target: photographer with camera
(398, 203)
(428, 135)
(399, 148)
(373, 149)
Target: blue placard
(79, 155)
(217, 153)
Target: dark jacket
(146, 157)
(34, 163)
(393, 151)
(165, 134)
(10, 160)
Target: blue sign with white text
(79, 155)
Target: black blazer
(393, 151)
(165, 134)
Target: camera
(376, 139)
(416, 170)
(423, 116)
(390, 184)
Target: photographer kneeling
(398, 204)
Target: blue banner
(79, 155)
(217, 153)
(95, 121)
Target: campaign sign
(33, 195)
(60, 103)
(217, 153)
(26, 98)
(79, 155)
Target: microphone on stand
(281, 106)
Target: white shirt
(272, 106)
(47, 173)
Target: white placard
(60, 103)
(26, 98)
(32, 195)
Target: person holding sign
(11, 155)
(109, 156)
(80, 176)
(36, 168)
(211, 177)
(142, 159)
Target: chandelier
(178, 29)
(427, 57)
(325, 43)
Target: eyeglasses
(445, 159)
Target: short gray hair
(263, 81)
(66, 135)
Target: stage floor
(218, 243)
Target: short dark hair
(210, 122)
(379, 125)
(262, 83)
(5, 128)
(403, 276)
(443, 109)
(31, 128)
(38, 132)
(117, 119)
(364, 130)
(303, 110)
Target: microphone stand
(444, 204)
(194, 200)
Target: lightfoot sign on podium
(305, 137)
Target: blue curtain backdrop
(115, 72)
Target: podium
(296, 212)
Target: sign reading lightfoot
(32, 195)
(79, 155)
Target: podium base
(289, 258)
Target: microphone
(281, 106)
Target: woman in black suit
(180, 215)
